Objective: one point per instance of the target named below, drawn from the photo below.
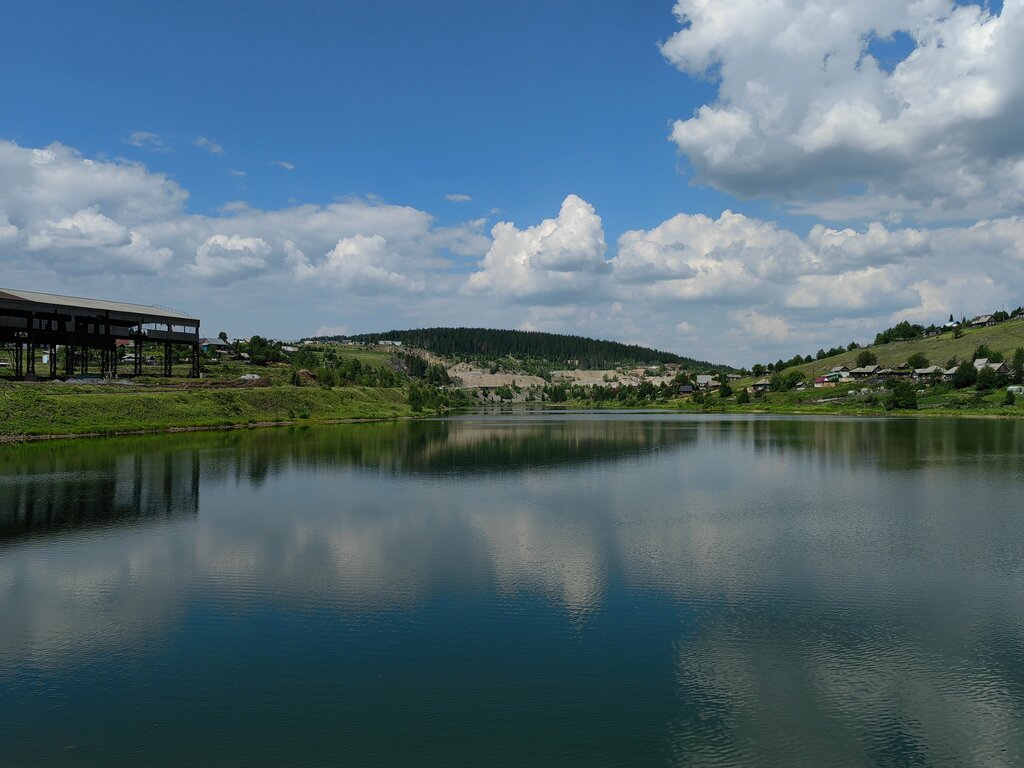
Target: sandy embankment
(469, 376)
(606, 378)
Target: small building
(899, 372)
(824, 382)
(984, 362)
(931, 372)
(982, 321)
(758, 387)
(865, 372)
(840, 370)
(707, 381)
(685, 389)
(213, 345)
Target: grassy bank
(937, 401)
(35, 410)
(938, 350)
(940, 400)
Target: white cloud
(237, 173)
(222, 258)
(332, 330)
(285, 164)
(362, 263)
(84, 229)
(147, 140)
(559, 260)
(457, 198)
(731, 287)
(804, 110)
(209, 145)
(7, 230)
(750, 322)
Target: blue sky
(512, 103)
(283, 167)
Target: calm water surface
(531, 589)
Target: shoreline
(11, 439)
(26, 437)
(927, 413)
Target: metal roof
(94, 304)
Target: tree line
(485, 344)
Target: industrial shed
(31, 321)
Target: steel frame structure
(31, 321)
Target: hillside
(1005, 338)
(485, 344)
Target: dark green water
(546, 589)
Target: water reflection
(817, 592)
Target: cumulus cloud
(89, 217)
(731, 287)
(362, 263)
(224, 258)
(750, 322)
(805, 111)
(558, 260)
(285, 164)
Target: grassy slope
(1004, 338)
(46, 410)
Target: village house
(931, 372)
(983, 362)
(707, 381)
(899, 372)
(865, 372)
(824, 382)
(759, 387)
(213, 345)
(982, 321)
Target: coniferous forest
(491, 344)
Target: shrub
(965, 376)
(986, 380)
(902, 397)
(918, 360)
(865, 358)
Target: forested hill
(491, 344)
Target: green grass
(371, 357)
(941, 400)
(49, 409)
(1005, 338)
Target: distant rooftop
(151, 312)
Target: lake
(533, 588)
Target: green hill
(486, 344)
(1005, 337)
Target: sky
(735, 181)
